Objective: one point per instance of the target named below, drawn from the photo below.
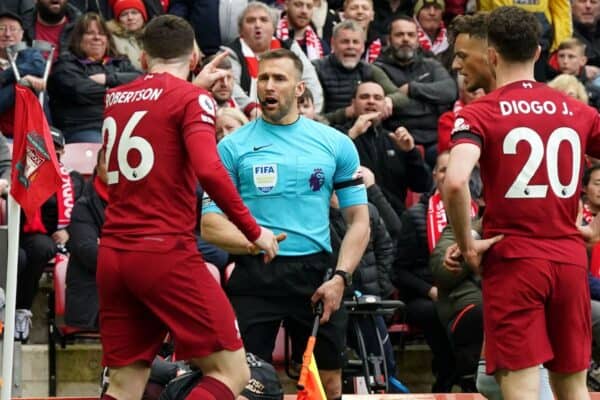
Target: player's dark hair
(168, 37)
(514, 33)
(474, 25)
(587, 175)
(282, 54)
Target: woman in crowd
(81, 76)
(126, 28)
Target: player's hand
(362, 124)
(210, 73)
(255, 250)
(402, 139)
(330, 293)
(389, 108)
(474, 254)
(269, 243)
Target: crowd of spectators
(378, 70)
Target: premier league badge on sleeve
(265, 177)
(460, 125)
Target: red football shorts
(536, 311)
(144, 295)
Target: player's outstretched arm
(216, 229)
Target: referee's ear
(300, 86)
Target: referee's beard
(284, 109)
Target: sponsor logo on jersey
(460, 125)
(265, 176)
(316, 180)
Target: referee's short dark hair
(284, 53)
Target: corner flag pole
(14, 212)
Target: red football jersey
(154, 129)
(533, 140)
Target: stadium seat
(58, 330)
(81, 157)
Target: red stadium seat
(58, 330)
(81, 157)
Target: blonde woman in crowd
(228, 120)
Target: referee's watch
(346, 276)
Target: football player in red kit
(159, 136)
(529, 141)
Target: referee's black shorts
(264, 295)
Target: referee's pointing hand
(269, 243)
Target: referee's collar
(272, 124)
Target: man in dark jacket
(53, 22)
(392, 156)
(30, 62)
(341, 71)
(81, 308)
(428, 85)
(42, 236)
(586, 19)
(412, 276)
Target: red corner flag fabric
(34, 175)
(309, 384)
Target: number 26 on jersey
(124, 143)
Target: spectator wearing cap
(126, 28)
(431, 31)
(81, 76)
(42, 236)
(29, 62)
(25, 9)
(105, 7)
(53, 22)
